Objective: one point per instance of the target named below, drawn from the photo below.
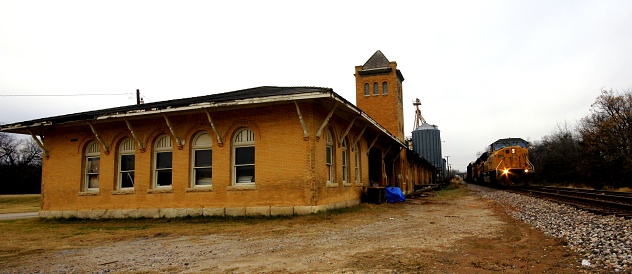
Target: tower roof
(378, 64)
(378, 60)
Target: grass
(453, 190)
(20, 203)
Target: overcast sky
(483, 70)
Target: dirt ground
(453, 233)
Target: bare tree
(557, 155)
(607, 137)
(8, 149)
(18, 152)
(20, 165)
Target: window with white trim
(126, 164)
(163, 161)
(356, 162)
(375, 91)
(345, 161)
(384, 88)
(366, 89)
(202, 160)
(244, 157)
(92, 159)
(330, 156)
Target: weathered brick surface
(149, 213)
(214, 211)
(305, 210)
(195, 212)
(258, 211)
(290, 170)
(235, 211)
(281, 210)
(386, 109)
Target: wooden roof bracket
(210, 120)
(179, 142)
(358, 137)
(346, 131)
(39, 143)
(387, 151)
(322, 127)
(300, 118)
(398, 154)
(372, 143)
(99, 139)
(140, 143)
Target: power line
(64, 95)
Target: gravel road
(353, 243)
(479, 230)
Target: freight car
(505, 162)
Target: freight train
(505, 162)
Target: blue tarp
(394, 194)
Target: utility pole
(447, 164)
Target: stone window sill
(200, 189)
(89, 193)
(160, 190)
(241, 187)
(124, 191)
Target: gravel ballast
(605, 242)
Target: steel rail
(589, 200)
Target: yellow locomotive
(506, 162)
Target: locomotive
(505, 162)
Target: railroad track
(596, 201)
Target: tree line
(20, 165)
(596, 152)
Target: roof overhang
(245, 98)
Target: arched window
(384, 88)
(163, 161)
(126, 159)
(375, 92)
(345, 162)
(330, 156)
(356, 162)
(244, 157)
(202, 160)
(92, 161)
(366, 89)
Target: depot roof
(251, 96)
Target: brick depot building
(258, 151)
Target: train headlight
(526, 170)
(505, 171)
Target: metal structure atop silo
(426, 140)
(418, 118)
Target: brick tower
(379, 93)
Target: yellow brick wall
(289, 170)
(388, 109)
